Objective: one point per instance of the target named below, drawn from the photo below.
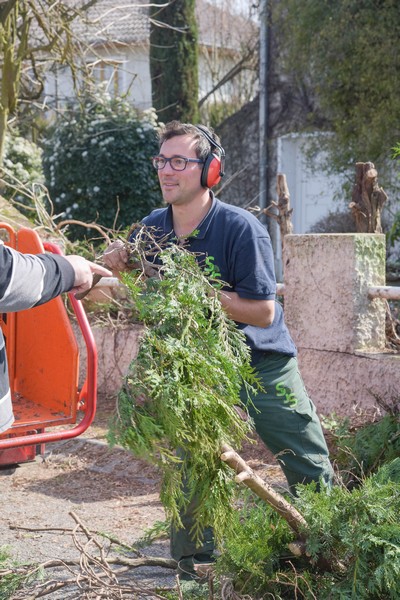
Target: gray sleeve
(28, 280)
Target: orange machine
(43, 364)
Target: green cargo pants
(285, 419)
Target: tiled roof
(124, 21)
(127, 22)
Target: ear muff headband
(213, 168)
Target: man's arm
(251, 312)
(27, 280)
(242, 310)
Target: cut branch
(287, 511)
(247, 476)
(95, 226)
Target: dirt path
(108, 490)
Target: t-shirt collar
(203, 226)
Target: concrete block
(326, 280)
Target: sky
(241, 6)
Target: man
(189, 163)
(27, 280)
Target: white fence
(388, 292)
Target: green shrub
(361, 452)
(338, 221)
(253, 545)
(352, 543)
(362, 529)
(97, 164)
(22, 167)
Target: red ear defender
(211, 173)
(213, 168)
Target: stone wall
(116, 347)
(339, 332)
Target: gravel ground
(81, 482)
(107, 491)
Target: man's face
(180, 187)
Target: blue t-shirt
(241, 248)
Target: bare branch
(247, 476)
(235, 70)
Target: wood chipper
(43, 363)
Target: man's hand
(84, 272)
(116, 257)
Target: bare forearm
(243, 310)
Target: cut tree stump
(281, 211)
(368, 199)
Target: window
(109, 73)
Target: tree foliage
(180, 392)
(97, 164)
(347, 52)
(22, 167)
(394, 233)
(33, 35)
(363, 451)
(357, 529)
(174, 60)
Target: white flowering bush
(97, 164)
(22, 168)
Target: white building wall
(134, 77)
(313, 194)
(138, 69)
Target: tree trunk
(368, 199)
(3, 127)
(174, 60)
(285, 211)
(281, 210)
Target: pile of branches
(181, 393)
(177, 404)
(96, 574)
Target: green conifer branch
(180, 392)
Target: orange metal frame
(43, 364)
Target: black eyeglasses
(178, 163)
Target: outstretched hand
(84, 272)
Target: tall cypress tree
(174, 60)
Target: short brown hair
(203, 146)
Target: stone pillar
(116, 347)
(326, 279)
